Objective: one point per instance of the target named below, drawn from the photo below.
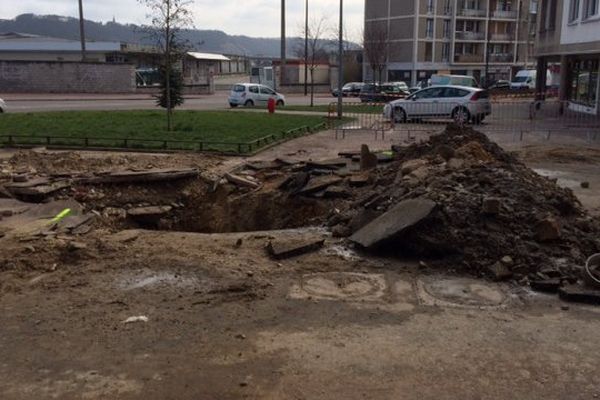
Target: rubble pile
(463, 201)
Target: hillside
(204, 40)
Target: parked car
(376, 93)
(402, 85)
(525, 79)
(456, 80)
(460, 103)
(500, 84)
(2, 106)
(349, 89)
(252, 94)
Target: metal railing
(470, 35)
(130, 143)
(470, 12)
(514, 119)
(501, 14)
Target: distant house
(199, 69)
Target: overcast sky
(246, 17)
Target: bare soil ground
(226, 321)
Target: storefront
(584, 84)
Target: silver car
(252, 94)
(2, 106)
(463, 104)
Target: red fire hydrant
(271, 105)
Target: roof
(208, 56)
(25, 42)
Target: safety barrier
(518, 118)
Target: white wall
(579, 31)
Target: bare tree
(316, 51)
(375, 44)
(168, 18)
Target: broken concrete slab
(359, 180)
(282, 249)
(336, 192)
(331, 164)
(149, 175)
(368, 160)
(399, 218)
(546, 285)
(240, 181)
(38, 188)
(579, 294)
(149, 214)
(319, 183)
(412, 165)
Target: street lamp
(306, 49)
(341, 62)
(81, 31)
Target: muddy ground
(226, 321)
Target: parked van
(456, 80)
(525, 79)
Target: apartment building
(466, 37)
(569, 35)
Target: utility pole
(341, 62)
(283, 45)
(81, 31)
(306, 49)
(487, 45)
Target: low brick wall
(66, 77)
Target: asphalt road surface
(64, 102)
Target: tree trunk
(312, 88)
(168, 68)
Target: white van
(456, 80)
(525, 79)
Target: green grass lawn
(111, 128)
(353, 108)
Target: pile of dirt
(490, 213)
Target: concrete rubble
(457, 201)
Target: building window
(590, 9)
(584, 83)
(574, 10)
(430, 6)
(447, 28)
(445, 52)
(429, 28)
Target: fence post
(87, 143)
(126, 143)
(239, 148)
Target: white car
(252, 94)
(463, 104)
(2, 106)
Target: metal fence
(515, 117)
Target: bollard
(271, 105)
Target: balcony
(504, 14)
(470, 12)
(468, 58)
(470, 36)
(502, 37)
(501, 58)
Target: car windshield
(518, 79)
(239, 88)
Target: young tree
(168, 18)
(375, 44)
(316, 51)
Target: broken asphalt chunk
(399, 218)
(282, 249)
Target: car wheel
(232, 105)
(400, 115)
(478, 119)
(280, 103)
(461, 116)
(249, 103)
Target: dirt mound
(493, 214)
